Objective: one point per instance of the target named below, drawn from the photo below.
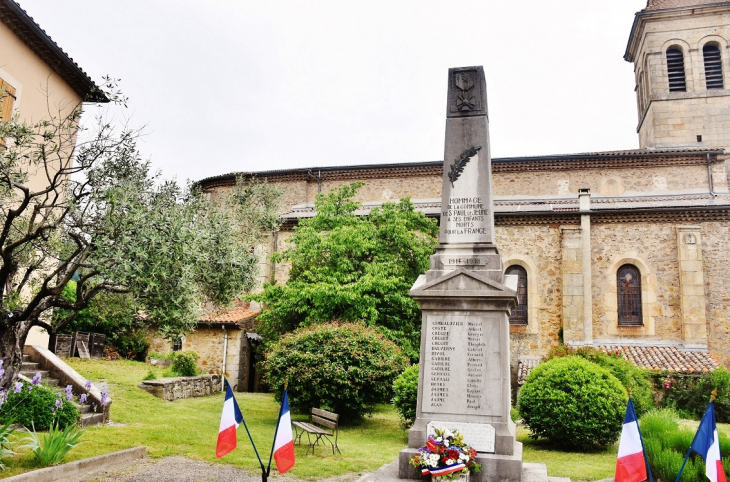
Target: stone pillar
(464, 376)
(573, 285)
(584, 197)
(692, 287)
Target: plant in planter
(445, 456)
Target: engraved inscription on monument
(465, 217)
(478, 435)
(457, 361)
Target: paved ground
(181, 469)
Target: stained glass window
(629, 296)
(519, 314)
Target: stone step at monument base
(530, 473)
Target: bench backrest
(325, 418)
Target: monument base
(504, 435)
(495, 468)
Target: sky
(223, 86)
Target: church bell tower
(679, 49)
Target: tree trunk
(13, 333)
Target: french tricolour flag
(230, 420)
(707, 444)
(284, 441)
(447, 469)
(631, 464)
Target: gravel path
(181, 469)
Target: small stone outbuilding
(226, 343)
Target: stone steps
(29, 368)
(530, 473)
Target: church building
(622, 250)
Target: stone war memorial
(464, 379)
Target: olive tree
(81, 204)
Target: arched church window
(519, 314)
(675, 70)
(713, 66)
(629, 296)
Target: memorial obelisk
(464, 379)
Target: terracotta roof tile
(665, 358)
(669, 4)
(524, 367)
(240, 312)
(668, 358)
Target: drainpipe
(225, 353)
(273, 263)
(317, 178)
(709, 176)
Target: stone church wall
(716, 251)
(537, 249)
(651, 247)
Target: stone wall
(653, 249)
(171, 389)
(537, 249)
(208, 343)
(604, 182)
(536, 183)
(716, 263)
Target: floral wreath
(446, 456)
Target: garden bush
(690, 394)
(573, 403)
(631, 376)
(184, 363)
(666, 443)
(346, 368)
(405, 399)
(35, 406)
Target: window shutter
(675, 70)
(8, 98)
(713, 67)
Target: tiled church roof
(661, 358)
(669, 4)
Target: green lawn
(190, 428)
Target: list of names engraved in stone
(475, 347)
(455, 365)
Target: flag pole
(254, 447)
(641, 438)
(271, 455)
(712, 398)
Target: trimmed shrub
(345, 368)
(631, 376)
(405, 399)
(35, 406)
(184, 363)
(666, 443)
(573, 403)
(690, 394)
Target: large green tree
(93, 211)
(349, 267)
